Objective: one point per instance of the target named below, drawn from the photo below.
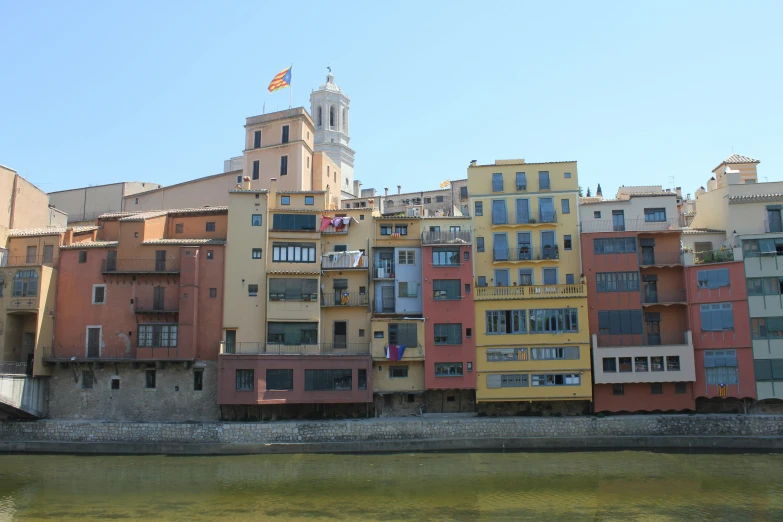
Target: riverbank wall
(654, 432)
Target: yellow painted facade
(532, 337)
(405, 375)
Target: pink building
(447, 300)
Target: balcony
(139, 266)
(383, 269)
(16, 261)
(344, 299)
(22, 304)
(660, 339)
(707, 257)
(411, 353)
(627, 362)
(548, 253)
(629, 225)
(543, 218)
(167, 305)
(648, 259)
(668, 297)
(344, 261)
(111, 353)
(259, 348)
(529, 292)
(451, 237)
(383, 306)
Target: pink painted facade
(450, 311)
(738, 339)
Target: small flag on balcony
(391, 352)
(400, 352)
(723, 390)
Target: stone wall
(414, 434)
(173, 398)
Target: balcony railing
(773, 226)
(23, 303)
(28, 261)
(109, 352)
(664, 297)
(629, 225)
(152, 305)
(542, 217)
(259, 348)
(130, 266)
(713, 256)
(344, 261)
(526, 254)
(431, 237)
(383, 270)
(657, 258)
(530, 291)
(13, 368)
(344, 299)
(630, 340)
(383, 306)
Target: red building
(447, 302)
(723, 351)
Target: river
(600, 486)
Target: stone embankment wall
(746, 432)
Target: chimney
(679, 191)
(399, 189)
(246, 183)
(386, 191)
(472, 163)
(272, 201)
(712, 184)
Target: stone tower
(331, 114)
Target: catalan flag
(283, 79)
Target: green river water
(601, 486)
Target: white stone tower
(330, 112)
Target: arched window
(319, 116)
(26, 283)
(389, 203)
(345, 120)
(331, 116)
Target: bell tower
(330, 110)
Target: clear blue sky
(636, 92)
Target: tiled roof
(285, 192)
(625, 199)
(90, 244)
(85, 228)
(30, 232)
(186, 242)
(141, 216)
(753, 198)
(736, 158)
(525, 163)
(113, 215)
(197, 210)
(292, 272)
(702, 231)
(250, 191)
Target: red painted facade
(450, 311)
(739, 339)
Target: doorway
(340, 335)
(231, 341)
(93, 342)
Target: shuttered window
(717, 317)
(713, 278)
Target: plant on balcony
(532, 221)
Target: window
(673, 363)
(567, 242)
(445, 289)
(245, 379)
(466, 255)
(25, 283)
(618, 245)
(255, 220)
(82, 256)
(506, 354)
(408, 289)
(256, 253)
(293, 252)
(401, 230)
(543, 180)
(463, 193)
(292, 333)
(499, 213)
(31, 254)
(567, 175)
(767, 327)
(309, 200)
(641, 364)
(150, 379)
(115, 383)
(680, 387)
(438, 199)
(361, 332)
(98, 294)
(427, 200)
(179, 228)
(769, 369)
(479, 208)
(617, 282)
(448, 333)
(157, 336)
(294, 289)
(713, 278)
(389, 202)
(256, 169)
(257, 139)
(283, 165)
(448, 369)
(508, 380)
(557, 379)
(565, 206)
(717, 317)
(505, 321)
(610, 364)
(212, 293)
(479, 244)
(653, 215)
(721, 366)
(285, 200)
(626, 365)
(210, 254)
(406, 257)
(554, 354)
(656, 364)
(403, 334)
(210, 226)
(362, 379)
(756, 247)
(554, 320)
(386, 230)
(481, 281)
(656, 388)
(88, 380)
(252, 290)
(398, 372)
(618, 389)
(497, 182)
(569, 279)
(285, 134)
(764, 286)
(136, 201)
(239, 179)
(597, 214)
(280, 380)
(445, 257)
(521, 181)
(616, 322)
(198, 380)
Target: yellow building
(532, 337)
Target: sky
(635, 92)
